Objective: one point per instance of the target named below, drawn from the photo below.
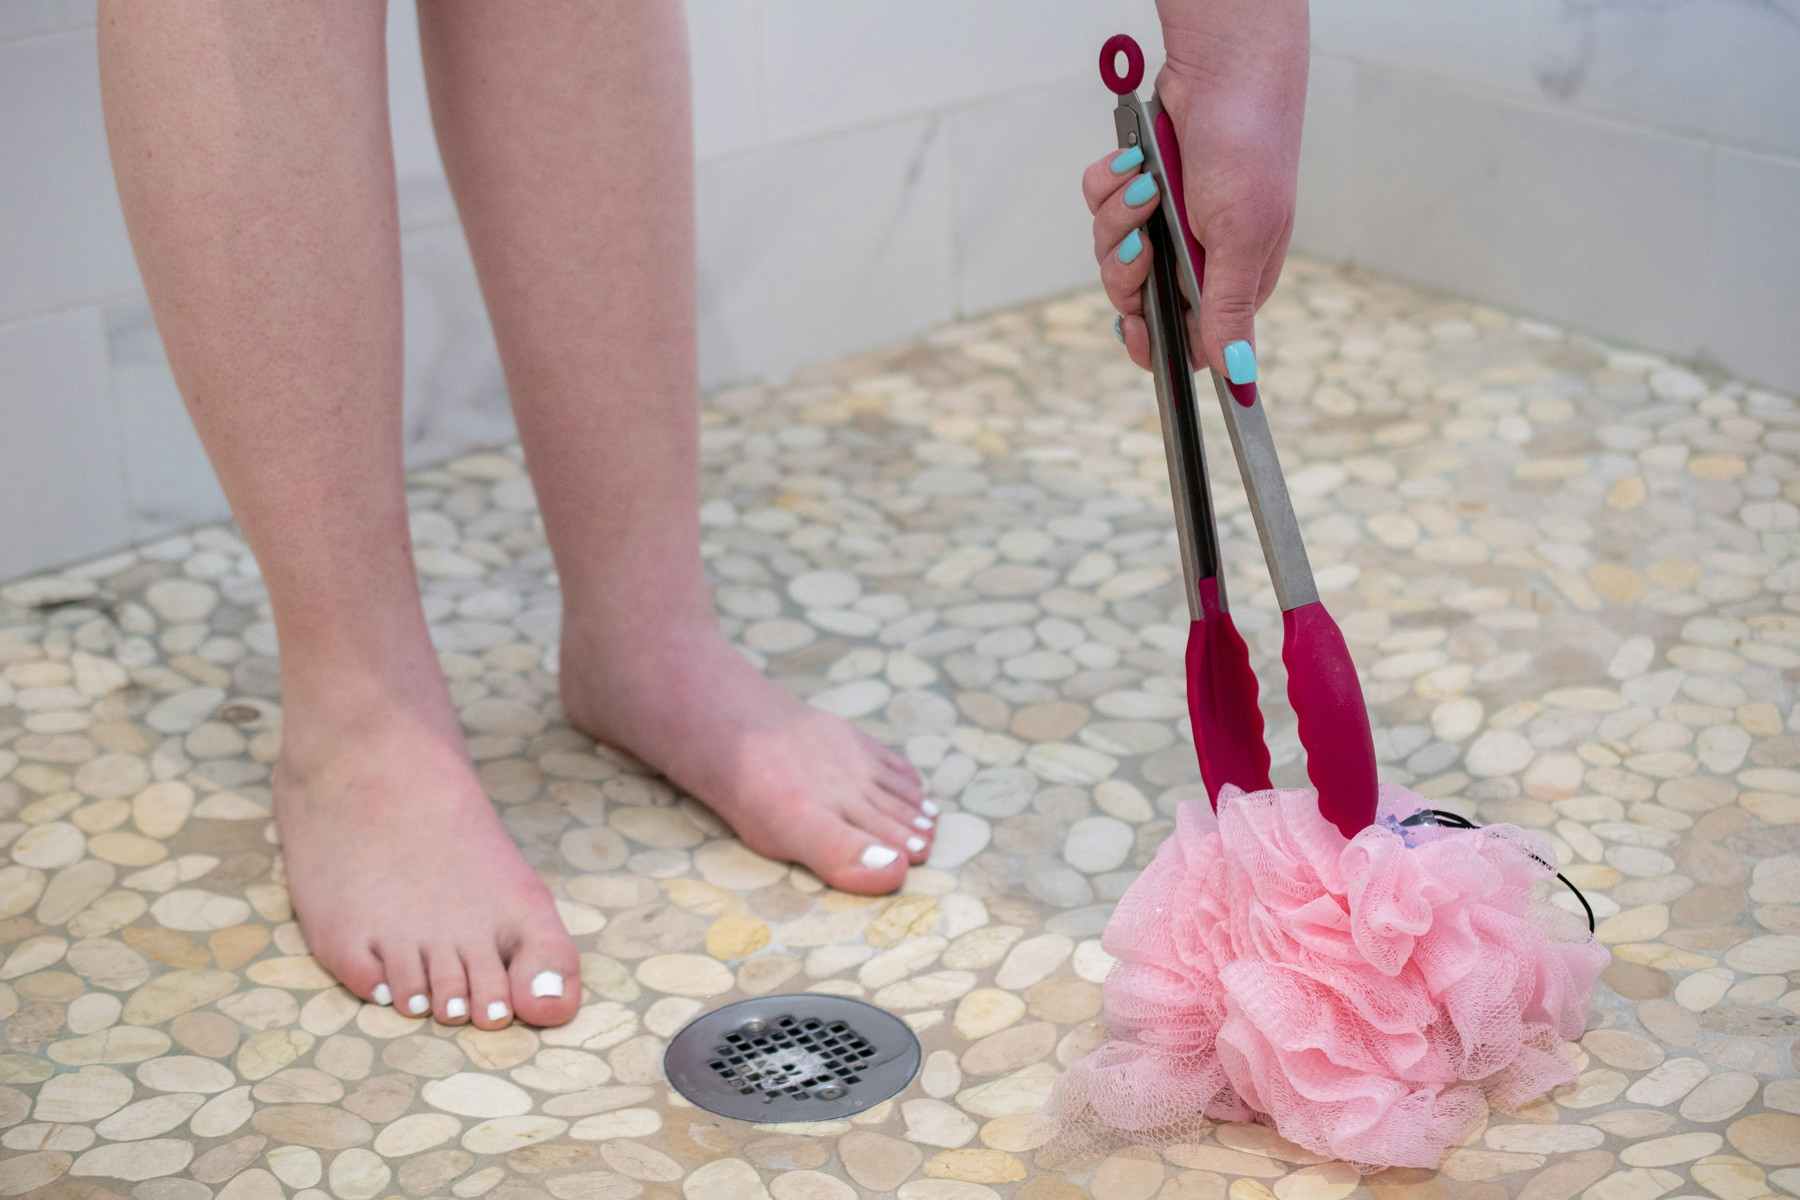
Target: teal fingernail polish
(1127, 159)
(1240, 362)
(1141, 189)
(1131, 247)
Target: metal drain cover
(805, 1057)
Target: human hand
(1234, 85)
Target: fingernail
(1240, 362)
(921, 822)
(1139, 190)
(497, 1011)
(915, 844)
(546, 983)
(930, 806)
(877, 857)
(382, 995)
(1119, 328)
(418, 1006)
(456, 1008)
(1125, 160)
(1131, 247)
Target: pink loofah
(1368, 998)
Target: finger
(1123, 270)
(1128, 208)
(1228, 300)
(1136, 335)
(1108, 173)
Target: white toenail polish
(915, 844)
(877, 857)
(418, 1006)
(456, 1008)
(546, 983)
(497, 1011)
(382, 995)
(930, 807)
(921, 823)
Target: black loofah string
(1438, 816)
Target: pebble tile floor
(1568, 573)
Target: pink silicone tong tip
(1228, 725)
(1334, 721)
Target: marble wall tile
(831, 65)
(1753, 267)
(1571, 218)
(418, 168)
(62, 479)
(33, 18)
(455, 395)
(62, 240)
(1716, 70)
(725, 51)
(1324, 210)
(810, 250)
(169, 483)
(1022, 228)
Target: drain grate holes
(791, 1057)
(803, 1057)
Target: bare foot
(406, 885)
(795, 784)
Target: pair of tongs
(1322, 685)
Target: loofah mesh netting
(1367, 998)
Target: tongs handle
(1322, 683)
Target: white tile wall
(1582, 220)
(830, 65)
(169, 484)
(1719, 70)
(62, 240)
(455, 396)
(725, 52)
(30, 18)
(62, 477)
(1325, 220)
(1022, 228)
(810, 250)
(1753, 261)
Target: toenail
(921, 822)
(876, 857)
(915, 844)
(930, 807)
(546, 983)
(497, 1011)
(382, 995)
(418, 1006)
(456, 1007)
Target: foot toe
(360, 971)
(852, 859)
(902, 822)
(449, 984)
(403, 972)
(490, 993)
(545, 977)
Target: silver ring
(1119, 327)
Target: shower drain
(804, 1057)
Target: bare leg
(566, 134)
(251, 147)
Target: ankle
(329, 708)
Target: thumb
(1228, 298)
